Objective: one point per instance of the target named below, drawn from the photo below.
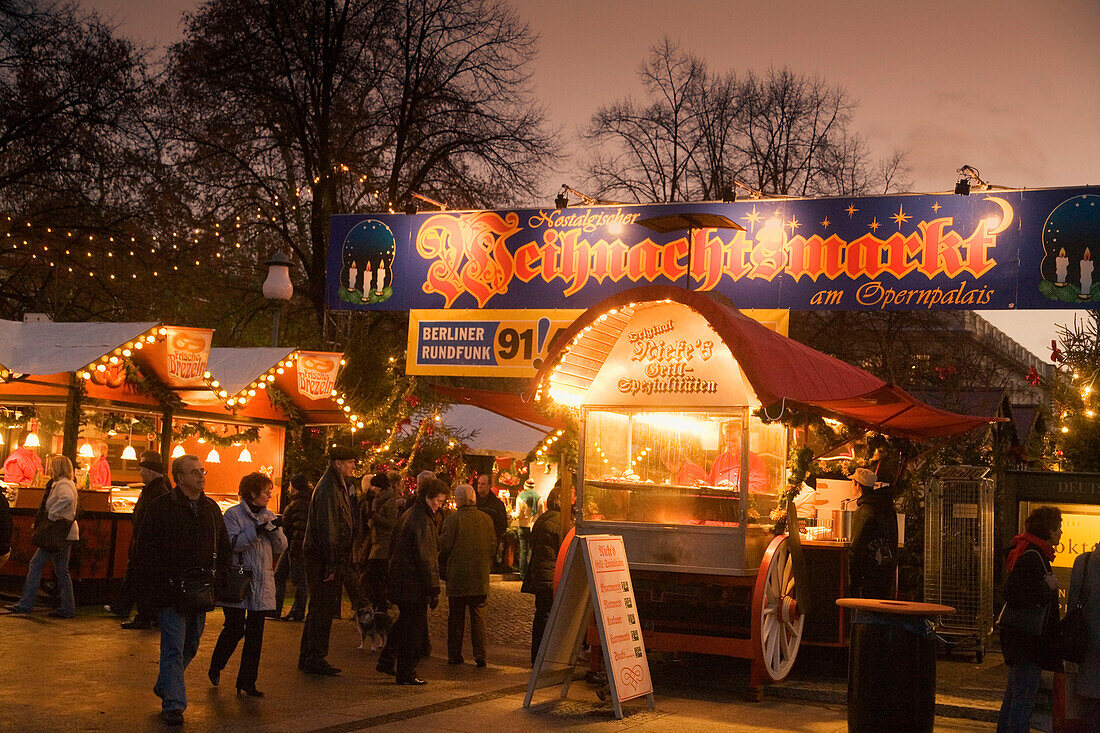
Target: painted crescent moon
(1007, 215)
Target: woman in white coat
(1088, 672)
(256, 539)
(59, 505)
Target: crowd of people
(387, 551)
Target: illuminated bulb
(100, 367)
(206, 375)
(177, 451)
(162, 331)
(245, 456)
(271, 377)
(215, 384)
(279, 370)
(230, 401)
(1090, 413)
(126, 352)
(138, 346)
(1065, 429)
(31, 441)
(213, 457)
(129, 454)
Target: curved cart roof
(777, 368)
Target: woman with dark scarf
(1030, 614)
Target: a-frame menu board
(603, 585)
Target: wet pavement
(87, 674)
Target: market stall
(678, 397)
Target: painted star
(901, 217)
(936, 207)
(793, 224)
(851, 210)
(825, 224)
(753, 217)
(874, 224)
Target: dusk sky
(1010, 87)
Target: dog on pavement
(374, 626)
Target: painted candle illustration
(1086, 275)
(1061, 266)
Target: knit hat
(865, 477)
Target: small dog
(373, 625)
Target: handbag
(195, 591)
(49, 534)
(1029, 621)
(1072, 631)
(236, 586)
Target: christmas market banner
(503, 343)
(1019, 249)
(317, 373)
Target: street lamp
(278, 289)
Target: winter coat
(1088, 672)
(175, 536)
(467, 546)
(414, 557)
(874, 550)
(545, 542)
(157, 487)
(255, 548)
(383, 518)
(60, 503)
(5, 525)
(331, 524)
(1026, 587)
(295, 517)
(360, 546)
(491, 504)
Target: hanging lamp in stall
(128, 453)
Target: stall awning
(494, 434)
(505, 404)
(46, 347)
(780, 370)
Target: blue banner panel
(1025, 249)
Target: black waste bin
(892, 665)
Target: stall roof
(236, 368)
(780, 370)
(46, 347)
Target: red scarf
(1020, 544)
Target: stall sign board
(317, 374)
(604, 586)
(188, 350)
(1011, 249)
(504, 343)
(485, 343)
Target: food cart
(678, 397)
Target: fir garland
(199, 430)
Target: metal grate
(958, 552)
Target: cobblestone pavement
(87, 674)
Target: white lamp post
(278, 289)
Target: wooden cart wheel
(776, 616)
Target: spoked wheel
(776, 613)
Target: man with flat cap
(327, 552)
(155, 484)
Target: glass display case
(681, 467)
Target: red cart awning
(779, 369)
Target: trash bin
(892, 665)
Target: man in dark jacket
(155, 484)
(413, 582)
(466, 548)
(491, 504)
(545, 543)
(874, 551)
(182, 536)
(329, 532)
(291, 563)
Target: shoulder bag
(49, 534)
(194, 588)
(1072, 632)
(1029, 620)
(237, 584)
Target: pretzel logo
(632, 676)
(192, 343)
(316, 363)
